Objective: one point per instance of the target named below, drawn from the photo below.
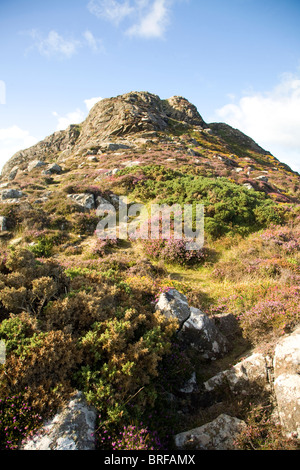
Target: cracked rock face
(201, 333)
(71, 429)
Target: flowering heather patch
(173, 251)
(101, 247)
(17, 421)
(285, 238)
(278, 311)
(261, 433)
(131, 437)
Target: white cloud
(91, 102)
(272, 119)
(149, 18)
(74, 117)
(112, 10)
(153, 22)
(13, 139)
(55, 45)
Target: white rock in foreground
(72, 429)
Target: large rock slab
(287, 389)
(219, 434)
(244, 378)
(287, 355)
(72, 429)
(287, 382)
(200, 332)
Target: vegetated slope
(77, 312)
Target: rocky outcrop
(71, 429)
(108, 123)
(259, 374)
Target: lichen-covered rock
(287, 382)
(173, 304)
(219, 434)
(201, 333)
(71, 429)
(246, 376)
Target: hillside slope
(82, 313)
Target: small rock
(54, 168)
(85, 200)
(11, 194)
(35, 164)
(262, 178)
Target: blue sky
(238, 61)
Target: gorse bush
(88, 330)
(229, 207)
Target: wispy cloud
(13, 139)
(95, 44)
(58, 46)
(271, 118)
(111, 10)
(149, 18)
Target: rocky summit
(139, 342)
